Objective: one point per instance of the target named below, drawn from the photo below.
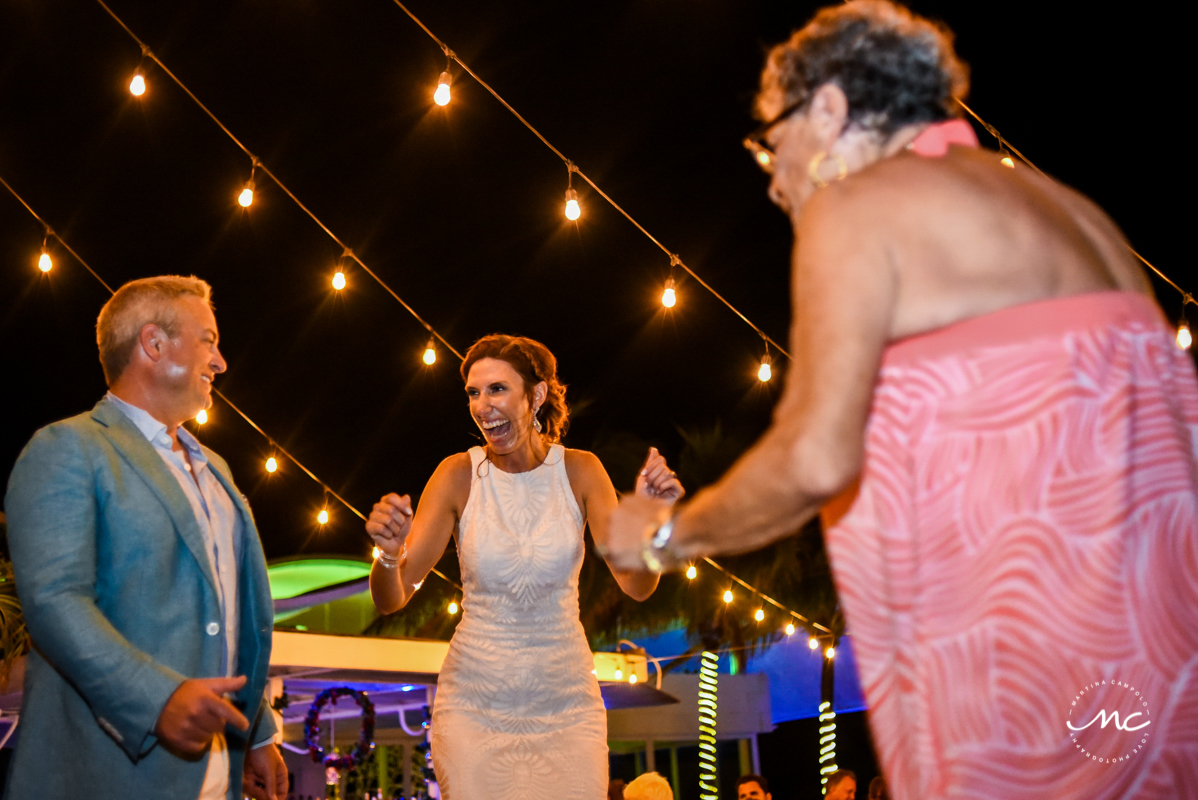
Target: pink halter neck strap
(934, 141)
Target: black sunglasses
(755, 141)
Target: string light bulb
(202, 417)
(272, 464)
(1007, 161)
(669, 297)
(830, 653)
(790, 629)
(246, 198)
(619, 674)
(632, 678)
(430, 353)
(765, 371)
(44, 262)
(1184, 337)
(573, 210)
(323, 516)
(339, 279)
(691, 572)
(137, 85)
(728, 596)
(760, 615)
(441, 95)
(813, 643)
(374, 553)
(453, 607)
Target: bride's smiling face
(500, 404)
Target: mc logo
(1114, 715)
(1113, 746)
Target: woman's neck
(530, 455)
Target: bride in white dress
(518, 714)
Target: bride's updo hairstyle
(533, 361)
(895, 68)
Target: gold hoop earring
(842, 169)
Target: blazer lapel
(145, 461)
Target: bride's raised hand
(657, 481)
(390, 522)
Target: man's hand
(197, 711)
(265, 775)
(632, 525)
(389, 523)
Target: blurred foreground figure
(989, 407)
(142, 580)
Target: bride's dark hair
(533, 361)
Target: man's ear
(151, 340)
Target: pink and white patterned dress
(1020, 561)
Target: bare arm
(600, 500)
(426, 534)
(844, 289)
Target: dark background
(460, 209)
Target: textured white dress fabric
(518, 714)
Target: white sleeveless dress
(518, 715)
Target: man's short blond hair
(139, 303)
(649, 786)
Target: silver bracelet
(392, 563)
(654, 551)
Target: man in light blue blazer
(142, 580)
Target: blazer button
(213, 628)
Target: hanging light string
(258, 165)
(769, 599)
(675, 260)
(276, 448)
(1186, 297)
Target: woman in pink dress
(989, 407)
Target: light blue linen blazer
(120, 599)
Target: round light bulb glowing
(632, 678)
(830, 653)
(453, 607)
(137, 86)
(202, 417)
(691, 572)
(430, 354)
(1184, 337)
(246, 198)
(339, 280)
(271, 464)
(374, 552)
(417, 585)
(441, 95)
(765, 371)
(619, 674)
(44, 262)
(323, 516)
(1007, 161)
(573, 210)
(669, 297)
(813, 643)
(790, 629)
(728, 596)
(760, 615)
(763, 158)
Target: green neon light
(293, 578)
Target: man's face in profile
(752, 791)
(845, 790)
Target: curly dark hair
(533, 361)
(895, 68)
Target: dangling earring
(536, 423)
(842, 169)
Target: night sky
(460, 209)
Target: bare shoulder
(582, 463)
(450, 482)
